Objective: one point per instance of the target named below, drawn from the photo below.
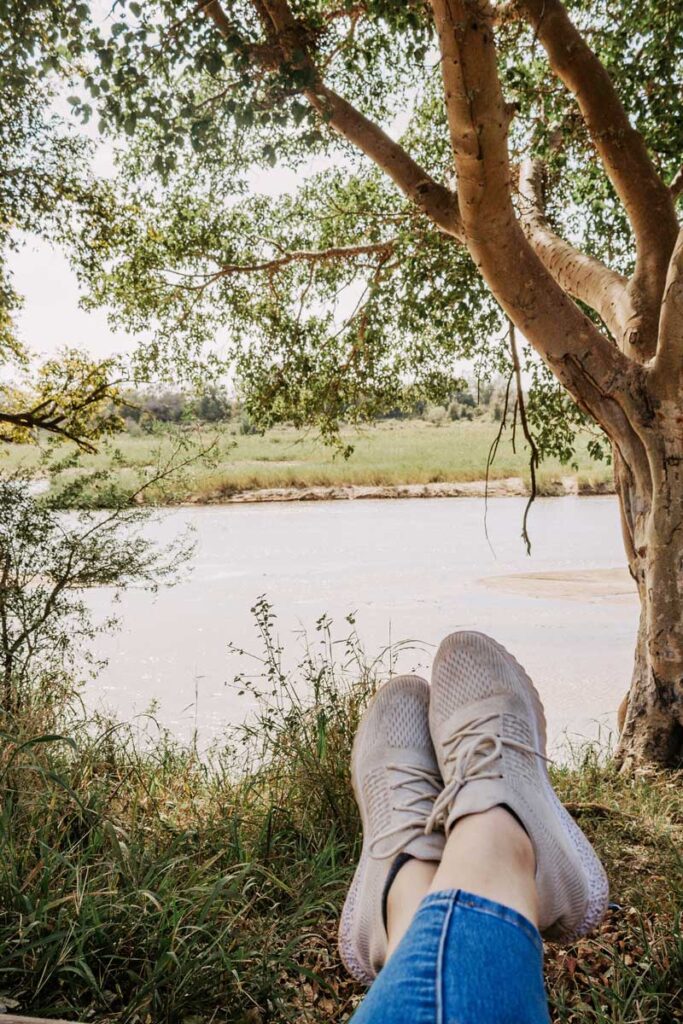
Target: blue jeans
(463, 960)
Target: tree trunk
(653, 534)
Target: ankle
(406, 892)
(490, 854)
(511, 838)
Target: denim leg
(492, 971)
(464, 960)
(404, 991)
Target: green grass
(391, 452)
(141, 882)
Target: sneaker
(489, 733)
(396, 781)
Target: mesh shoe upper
(396, 780)
(488, 728)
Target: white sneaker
(396, 781)
(488, 728)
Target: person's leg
(408, 889)
(491, 855)
(514, 857)
(472, 952)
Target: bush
(47, 565)
(132, 426)
(212, 406)
(465, 399)
(247, 424)
(143, 882)
(437, 415)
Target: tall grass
(388, 453)
(140, 881)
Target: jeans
(463, 960)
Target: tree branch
(278, 263)
(534, 458)
(583, 276)
(647, 200)
(585, 361)
(435, 200)
(676, 186)
(55, 415)
(334, 252)
(52, 424)
(603, 381)
(667, 370)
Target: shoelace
(413, 784)
(472, 749)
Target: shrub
(437, 415)
(212, 406)
(247, 424)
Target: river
(411, 569)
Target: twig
(491, 456)
(676, 186)
(533, 450)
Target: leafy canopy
(46, 189)
(337, 297)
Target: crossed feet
(453, 790)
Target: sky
(51, 317)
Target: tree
(212, 405)
(71, 397)
(46, 564)
(538, 177)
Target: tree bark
(653, 536)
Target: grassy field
(391, 452)
(139, 882)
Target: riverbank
(141, 882)
(393, 459)
(508, 487)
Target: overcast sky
(51, 317)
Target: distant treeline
(144, 411)
(143, 408)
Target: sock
(401, 859)
(515, 816)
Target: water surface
(407, 569)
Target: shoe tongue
(477, 796)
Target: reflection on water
(408, 569)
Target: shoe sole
(347, 947)
(591, 866)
